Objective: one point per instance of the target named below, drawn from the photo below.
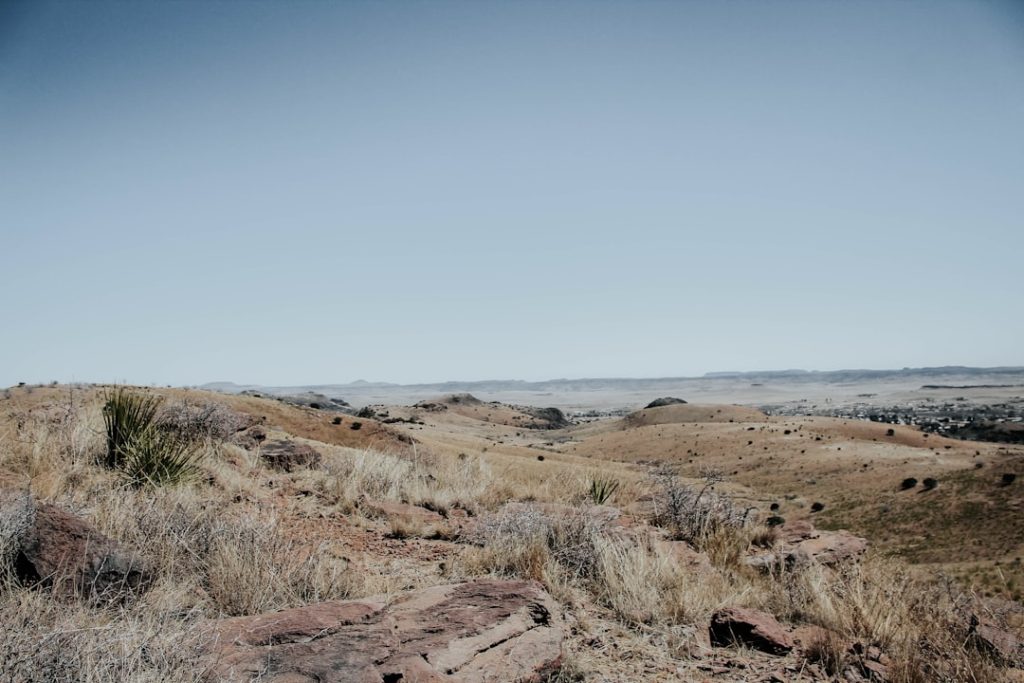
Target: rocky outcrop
(476, 632)
(740, 626)
(46, 546)
(801, 543)
(664, 401)
(289, 456)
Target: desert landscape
(506, 341)
(288, 535)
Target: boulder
(45, 545)
(741, 626)
(288, 456)
(17, 516)
(989, 635)
(477, 632)
(802, 543)
(664, 401)
(250, 437)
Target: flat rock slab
(289, 456)
(740, 626)
(485, 631)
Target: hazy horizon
(309, 193)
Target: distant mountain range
(627, 383)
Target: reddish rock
(740, 626)
(999, 642)
(485, 631)
(290, 455)
(802, 543)
(64, 551)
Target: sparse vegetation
(602, 489)
(145, 451)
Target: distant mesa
(664, 401)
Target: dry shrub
(48, 640)
(695, 515)
(202, 421)
(254, 568)
(916, 621)
(439, 483)
(640, 583)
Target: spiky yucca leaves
(158, 458)
(129, 417)
(143, 453)
(602, 489)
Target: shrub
(817, 507)
(128, 418)
(1008, 478)
(197, 422)
(929, 483)
(602, 489)
(775, 520)
(138, 448)
(908, 483)
(694, 515)
(158, 458)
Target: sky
(316, 192)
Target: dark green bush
(128, 417)
(602, 489)
(908, 483)
(142, 452)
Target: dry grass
(227, 544)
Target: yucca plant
(129, 417)
(158, 458)
(142, 452)
(602, 489)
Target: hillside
(634, 548)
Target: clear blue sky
(292, 192)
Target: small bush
(602, 489)
(356, 426)
(908, 483)
(198, 422)
(137, 446)
(128, 418)
(929, 483)
(1008, 478)
(817, 507)
(694, 515)
(775, 520)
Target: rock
(990, 636)
(477, 632)
(664, 401)
(65, 552)
(797, 530)
(741, 626)
(833, 547)
(290, 455)
(802, 543)
(251, 437)
(17, 516)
